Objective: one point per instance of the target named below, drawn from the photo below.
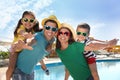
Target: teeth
(62, 38)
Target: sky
(103, 16)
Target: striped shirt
(89, 54)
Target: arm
(22, 45)
(97, 46)
(43, 66)
(25, 34)
(92, 39)
(66, 74)
(20, 41)
(94, 72)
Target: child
(83, 31)
(26, 26)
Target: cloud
(11, 12)
(42, 4)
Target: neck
(48, 38)
(64, 45)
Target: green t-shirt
(73, 59)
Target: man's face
(50, 30)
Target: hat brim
(70, 27)
(46, 19)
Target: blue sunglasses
(50, 28)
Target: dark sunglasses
(64, 33)
(81, 33)
(28, 20)
(50, 28)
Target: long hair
(36, 27)
(19, 22)
(71, 38)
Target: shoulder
(21, 28)
(78, 44)
(88, 41)
(39, 33)
(40, 36)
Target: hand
(49, 48)
(28, 35)
(112, 42)
(21, 45)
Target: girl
(25, 29)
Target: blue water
(107, 69)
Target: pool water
(108, 70)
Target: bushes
(4, 55)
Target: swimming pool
(107, 69)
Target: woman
(71, 54)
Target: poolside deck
(47, 61)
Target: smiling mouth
(63, 38)
(49, 34)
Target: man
(27, 59)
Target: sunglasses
(50, 28)
(64, 33)
(81, 33)
(28, 20)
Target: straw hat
(51, 17)
(70, 27)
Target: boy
(83, 32)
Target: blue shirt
(27, 59)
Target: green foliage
(4, 55)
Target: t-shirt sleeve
(20, 29)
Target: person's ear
(88, 34)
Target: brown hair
(70, 41)
(52, 21)
(85, 26)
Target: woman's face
(63, 35)
(28, 21)
(50, 30)
(82, 33)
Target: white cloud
(11, 12)
(9, 9)
(41, 4)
